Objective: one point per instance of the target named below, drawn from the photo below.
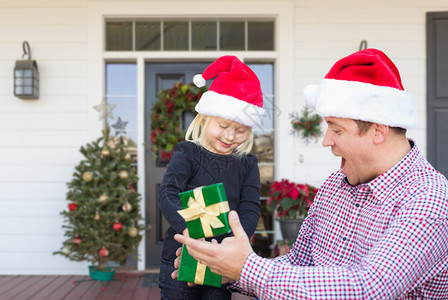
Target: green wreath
(308, 124)
(166, 116)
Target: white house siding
(40, 139)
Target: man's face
(354, 149)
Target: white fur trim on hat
(362, 101)
(230, 108)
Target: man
(378, 228)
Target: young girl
(217, 150)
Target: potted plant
(290, 201)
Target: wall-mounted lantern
(26, 76)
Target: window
(264, 149)
(121, 90)
(190, 35)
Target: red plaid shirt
(386, 239)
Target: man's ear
(380, 132)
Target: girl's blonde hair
(196, 130)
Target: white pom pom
(198, 80)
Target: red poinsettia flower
(290, 200)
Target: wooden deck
(128, 286)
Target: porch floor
(36, 287)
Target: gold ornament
(127, 156)
(97, 216)
(127, 206)
(105, 152)
(103, 198)
(133, 232)
(124, 174)
(66, 250)
(87, 176)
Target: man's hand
(227, 258)
(177, 263)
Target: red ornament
(131, 189)
(77, 240)
(104, 252)
(72, 207)
(117, 226)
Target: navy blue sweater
(193, 166)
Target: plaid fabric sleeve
(404, 258)
(300, 253)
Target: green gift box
(190, 270)
(205, 211)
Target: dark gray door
(437, 90)
(159, 76)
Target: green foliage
(166, 116)
(308, 124)
(105, 159)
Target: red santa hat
(235, 94)
(366, 86)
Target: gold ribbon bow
(207, 214)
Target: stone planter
(290, 228)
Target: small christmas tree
(102, 220)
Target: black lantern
(26, 76)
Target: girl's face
(222, 136)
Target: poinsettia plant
(290, 200)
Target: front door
(437, 90)
(159, 76)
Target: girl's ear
(380, 132)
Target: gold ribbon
(207, 214)
(200, 274)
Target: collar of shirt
(383, 184)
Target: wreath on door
(166, 116)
